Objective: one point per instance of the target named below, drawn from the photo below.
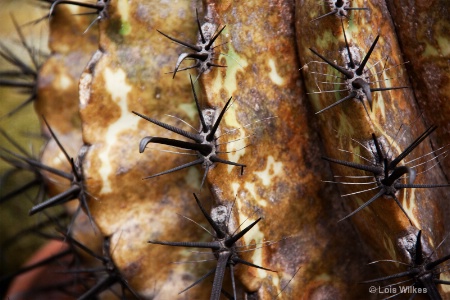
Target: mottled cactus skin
(91, 83)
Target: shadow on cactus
(387, 174)
(422, 272)
(111, 274)
(224, 248)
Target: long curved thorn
(323, 16)
(83, 247)
(398, 275)
(57, 140)
(366, 58)
(397, 173)
(403, 210)
(20, 106)
(222, 262)
(350, 96)
(204, 177)
(83, 204)
(193, 47)
(211, 41)
(244, 262)
(124, 282)
(198, 281)
(99, 287)
(184, 69)
(61, 198)
(352, 64)
(356, 8)
(92, 24)
(199, 111)
(219, 232)
(194, 137)
(14, 60)
(437, 262)
(39, 165)
(373, 169)
(438, 281)
(209, 245)
(233, 283)
(210, 136)
(419, 186)
(23, 42)
(230, 241)
(378, 195)
(389, 88)
(204, 149)
(12, 83)
(216, 159)
(411, 147)
(183, 56)
(195, 162)
(200, 27)
(347, 73)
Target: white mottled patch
(274, 76)
(123, 8)
(118, 89)
(58, 159)
(273, 169)
(250, 187)
(85, 89)
(255, 235)
(234, 64)
(411, 198)
(64, 82)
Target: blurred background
(22, 126)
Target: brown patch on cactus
(423, 33)
(279, 182)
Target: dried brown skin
(423, 31)
(281, 182)
(383, 222)
(129, 74)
